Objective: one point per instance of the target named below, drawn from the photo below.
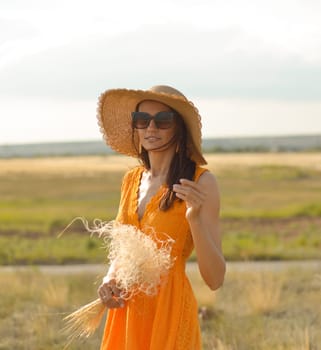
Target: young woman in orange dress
(174, 195)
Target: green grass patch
(272, 239)
(70, 248)
(36, 206)
(251, 239)
(251, 246)
(43, 204)
(270, 192)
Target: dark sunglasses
(162, 120)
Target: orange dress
(168, 321)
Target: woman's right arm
(107, 291)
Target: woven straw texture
(114, 118)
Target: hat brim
(114, 118)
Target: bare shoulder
(210, 187)
(208, 180)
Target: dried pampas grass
(142, 261)
(84, 321)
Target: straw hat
(114, 118)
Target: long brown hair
(180, 167)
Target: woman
(171, 193)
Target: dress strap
(198, 172)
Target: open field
(98, 164)
(254, 310)
(271, 205)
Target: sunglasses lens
(141, 120)
(163, 120)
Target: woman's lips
(152, 138)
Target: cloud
(222, 63)
(18, 39)
(15, 29)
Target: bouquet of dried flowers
(142, 263)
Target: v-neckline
(151, 200)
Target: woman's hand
(110, 295)
(193, 195)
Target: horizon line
(315, 134)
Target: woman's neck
(160, 163)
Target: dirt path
(255, 266)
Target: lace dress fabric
(169, 320)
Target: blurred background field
(271, 210)
(254, 310)
(271, 205)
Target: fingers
(190, 192)
(114, 291)
(189, 183)
(110, 295)
(109, 299)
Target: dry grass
(302, 160)
(55, 295)
(71, 166)
(263, 291)
(33, 305)
(68, 166)
(262, 310)
(84, 321)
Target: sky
(252, 68)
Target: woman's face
(153, 138)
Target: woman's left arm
(202, 212)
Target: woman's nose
(152, 125)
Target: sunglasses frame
(156, 118)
